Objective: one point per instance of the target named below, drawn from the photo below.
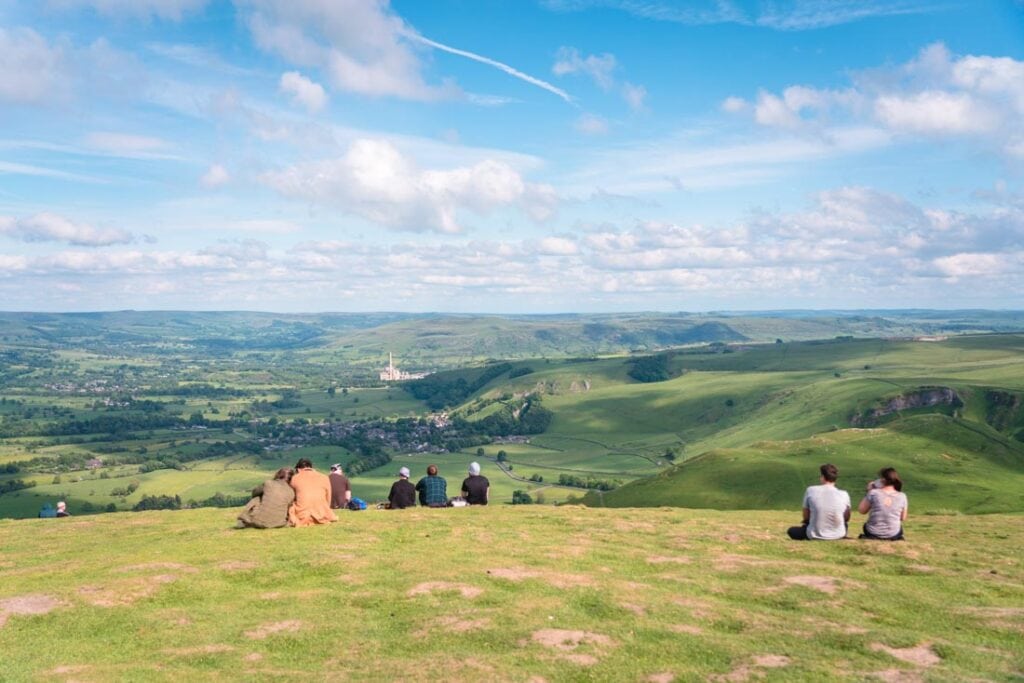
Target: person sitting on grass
(268, 508)
(62, 509)
(403, 493)
(885, 504)
(312, 496)
(341, 492)
(433, 489)
(826, 510)
(475, 488)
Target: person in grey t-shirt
(885, 504)
(826, 510)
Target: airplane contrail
(490, 62)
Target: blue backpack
(357, 504)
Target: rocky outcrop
(924, 397)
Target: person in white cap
(403, 493)
(475, 488)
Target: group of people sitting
(49, 511)
(826, 508)
(305, 497)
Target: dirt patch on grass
(745, 672)
(237, 565)
(567, 641)
(921, 655)
(688, 629)
(267, 630)
(453, 624)
(159, 567)
(826, 584)
(661, 559)
(200, 650)
(465, 590)
(897, 676)
(666, 677)
(634, 608)
(27, 605)
(556, 579)
(124, 593)
(69, 669)
(728, 562)
(253, 657)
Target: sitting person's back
(885, 504)
(433, 489)
(826, 510)
(475, 487)
(403, 493)
(312, 496)
(271, 500)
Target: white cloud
(50, 227)
(377, 181)
(937, 94)
(303, 91)
(591, 124)
(359, 44)
(635, 95)
(172, 10)
(788, 15)
(557, 246)
(215, 176)
(31, 70)
(126, 145)
(600, 68)
(733, 104)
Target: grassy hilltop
(508, 593)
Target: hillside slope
(507, 593)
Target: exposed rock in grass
(921, 655)
(267, 630)
(467, 591)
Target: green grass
(946, 465)
(507, 593)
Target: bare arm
(807, 515)
(864, 506)
(846, 515)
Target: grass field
(508, 593)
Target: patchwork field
(508, 593)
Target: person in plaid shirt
(433, 489)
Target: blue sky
(511, 156)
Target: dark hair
(891, 478)
(303, 463)
(432, 470)
(830, 472)
(284, 473)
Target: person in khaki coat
(312, 496)
(268, 508)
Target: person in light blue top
(885, 504)
(826, 510)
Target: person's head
(336, 468)
(474, 468)
(284, 474)
(304, 464)
(403, 472)
(890, 477)
(62, 506)
(432, 470)
(829, 473)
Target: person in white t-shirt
(826, 510)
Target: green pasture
(946, 465)
(508, 593)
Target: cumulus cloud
(936, 94)
(599, 68)
(374, 179)
(32, 71)
(591, 124)
(50, 227)
(360, 45)
(303, 91)
(215, 176)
